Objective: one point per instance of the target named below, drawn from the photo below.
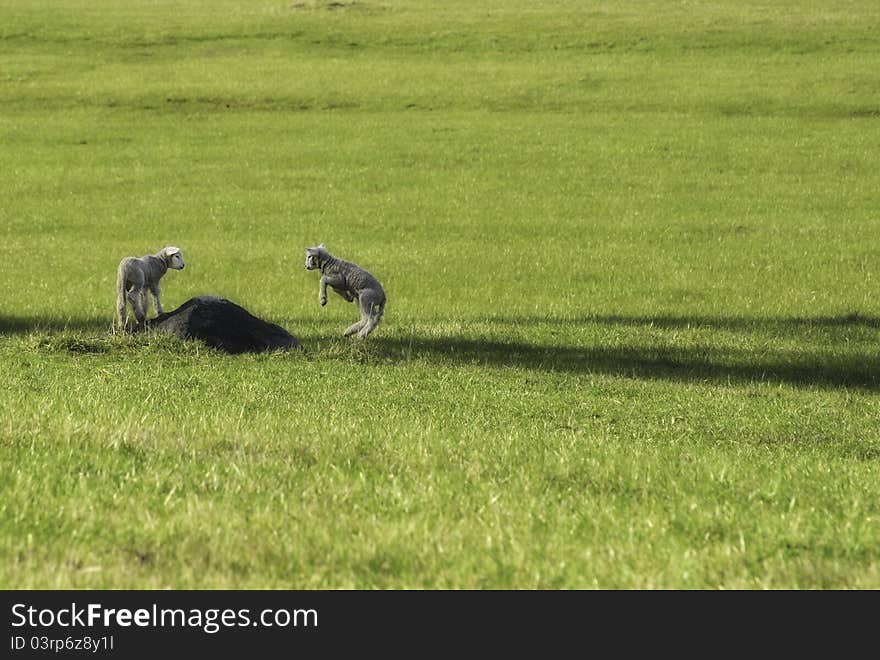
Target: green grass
(629, 250)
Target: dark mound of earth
(223, 324)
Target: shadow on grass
(22, 325)
(692, 364)
(853, 320)
(704, 363)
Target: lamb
(352, 283)
(136, 277)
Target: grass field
(630, 251)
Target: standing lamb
(137, 276)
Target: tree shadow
(851, 320)
(23, 325)
(693, 364)
(703, 363)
